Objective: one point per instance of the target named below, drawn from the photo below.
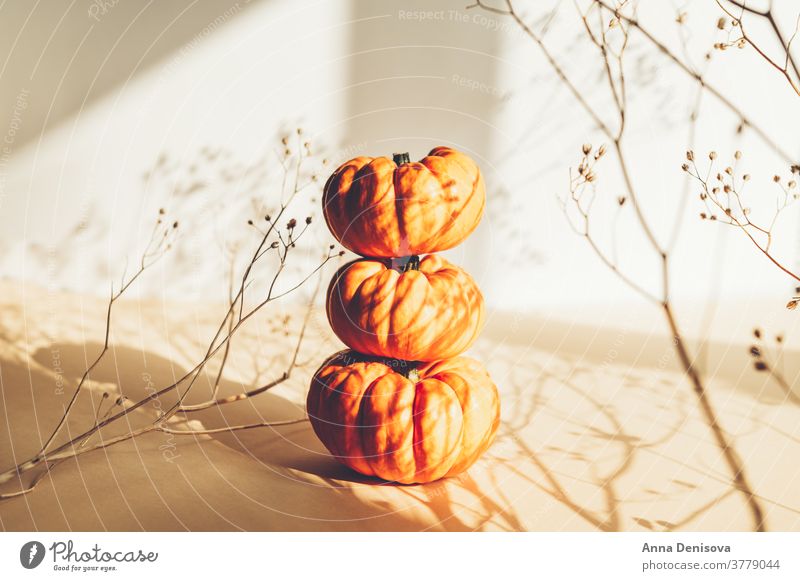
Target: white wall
(371, 77)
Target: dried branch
(614, 74)
(788, 67)
(723, 196)
(697, 77)
(214, 401)
(160, 242)
(633, 22)
(764, 363)
(273, 240)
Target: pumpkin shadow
(121, 371)
(136, 373)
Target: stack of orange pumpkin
(402, 404)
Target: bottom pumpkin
(383, 418)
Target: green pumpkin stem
(405, 263)
(401, 158)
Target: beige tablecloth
(599, 431)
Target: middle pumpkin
(408, 309)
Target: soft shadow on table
(599, 441)
(294, 482)
(570, 443)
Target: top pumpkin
(379, 207)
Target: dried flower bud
(285, 140)
(308, 219)
(267, 218)
(729, 170)
(341, 253)
(601, 151)
(685, 167)
(712, 155)
(792, 305)
(590, 177)
(299, 130)
(746, 177)
(776, 178)
(291, 224)
(161, 211)
(287, 152)
(249, 222)
(621, 200)
(738, 154)
(757, 333)
(721, 23)
(760, 366)
(791, 184)
(690, 155)
(175, 224)
(273, 245)
(587, 148)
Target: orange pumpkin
(420, 310)
(418, 426)
(379, 207)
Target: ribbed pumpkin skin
(432, 313)
(380, 423)
(375, 208)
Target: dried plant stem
(67, 450)
(732, 459)
(214, 401)
(586, 178)
(155, 249)
(235, 317)
(725, 205)
(789, 62)
(745, 120)
(56, 457)
(772, 368)
(779, 378)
